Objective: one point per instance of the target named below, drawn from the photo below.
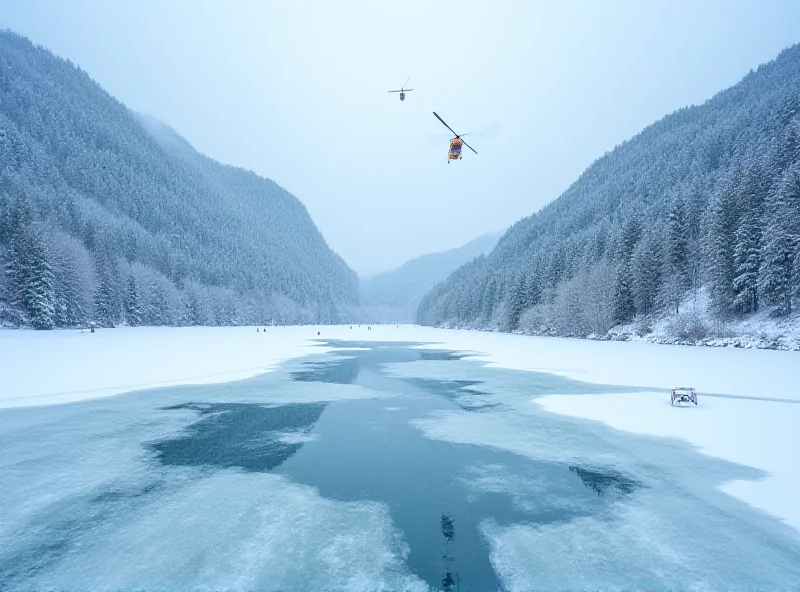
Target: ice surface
(531, 493)
(60, 366)
(755, 433)
(41, 367)
(760, 434)
(296, 437)
(269, 533)
(731, 371)
(634, 547)
(87, 506)
(668, 525)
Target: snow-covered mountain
(111, 216)
(394, 296)
(701, 206)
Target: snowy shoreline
(64, 366)
(781, 335)
(749, 399)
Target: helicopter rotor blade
(470, 147)
(406, 82)
(395, 91)
(409, 89)
(447, 126)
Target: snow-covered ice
(41, 368)
(753, 373)
(754, 433)
(757, 433)
(62, 366)
(748, 414)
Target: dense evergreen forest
(703, 205)
(109, 217)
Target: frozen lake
(376, 466)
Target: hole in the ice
(248, 436)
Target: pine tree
(40, 293)
(516, 302)
(532, 288)
(28, 270)
(34, 275)
(780, 250)
(631, 234)
(624, 308)
(747, 258)
(677, 265)
(720, 248)
(18, 220)
(646, 266)
(133, 310)
(489, 300)
(104, 300)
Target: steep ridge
(701, 206)
(112, 217)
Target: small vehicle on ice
(683, 394)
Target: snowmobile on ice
(683, 394)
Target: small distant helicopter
(455, 144)
(403, 90)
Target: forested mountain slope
(704, 202)
(111, 217)
(394, 296)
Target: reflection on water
(605, 481)
(451, 581)
(251, 437)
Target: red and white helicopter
(454, 153)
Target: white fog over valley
(267, 324)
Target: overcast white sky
(297, 91)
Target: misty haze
(392, 296)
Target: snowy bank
(50, 367)
(698, 327)
(728, 371)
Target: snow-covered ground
(758, 431)
(42, 368)
(695, 325)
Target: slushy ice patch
(247, 436)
